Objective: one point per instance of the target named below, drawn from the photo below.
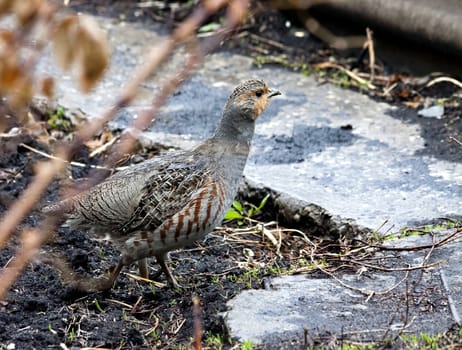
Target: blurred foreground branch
(46, 171)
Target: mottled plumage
(170, 201)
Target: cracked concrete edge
(300, 214)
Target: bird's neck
(231, 140)
(234, 129)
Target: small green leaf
(238, 206)
(98, 306)
(60, 112)
(263, 202)
(255, 210)
(232, 214)
(209, 27)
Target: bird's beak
(272, 93)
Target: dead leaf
(412, 104)
(26, 11)
(93, 52)
(47, 86)
(22, 93)
(64, 42)
(5, 6)
(10, 72)
(105, 137)
(80, 41)
(6, 39)
(38, 129)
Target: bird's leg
(143, 267)
(161, 260)
(102, 284)
(114, 274)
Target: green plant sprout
(240, 212)
(58, 120)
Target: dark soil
(43, 312)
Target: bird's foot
(171, 280)
(143, 268)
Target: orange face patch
(258, 104)
(261, 104)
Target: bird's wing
(107, 206)
(167, 191)
(110, 205)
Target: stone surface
(432, 112)
(362, 306)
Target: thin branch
(451, 138)
(367, 292)
(418, 247)
(31, 240)
(28, 199)
(452, 306)
(370, 47)
(76, 164)
(444, 80)
(352, 75)
(103, 148)
(396, 269)
(197, 323)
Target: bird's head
(250, 98)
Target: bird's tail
(59, 208)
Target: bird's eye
(259, 93)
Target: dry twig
(77, 164)
(444, 80)
(370, 48)
(451, 138)
(441, 242)
(197, 323)
(348, 72)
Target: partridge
(170, 201)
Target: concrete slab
(451, 277)
(367, 306)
